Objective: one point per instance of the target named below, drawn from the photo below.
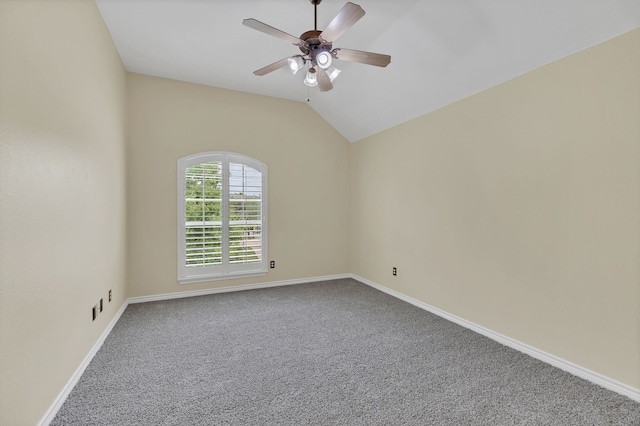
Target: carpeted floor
(330, 353)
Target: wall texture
(518, 209)
(308, 178)
(62, 196)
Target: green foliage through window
(203, 214)
(203, 209)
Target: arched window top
(204, 157)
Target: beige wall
(518, 209)
(308, 178)
(62, 196)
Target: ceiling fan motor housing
(314, 45)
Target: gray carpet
(330, 353)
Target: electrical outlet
(94, 313)
(101, 304)
(109, 295)
(395, 271)
(272, 265)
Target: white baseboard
(208, 291)
(55, 406)
(574, 369)
(560, 363)
(62, 396)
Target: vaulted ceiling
(441, 50)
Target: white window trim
(225, 271)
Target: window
(222, 217)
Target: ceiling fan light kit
(317, 48)
(333, 72)
(323, 59)
(295, 63)
(312, 78)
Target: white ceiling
(441, 50)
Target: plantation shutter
(203, 215)
(245, 214)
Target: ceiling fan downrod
(315, 4)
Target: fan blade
(368, 58)
(274, 66)
(324, 82)
(348, 15)
(268, 29)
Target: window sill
(220, 277)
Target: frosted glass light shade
(312, 78)
(333, 72)
(323, 59)
(295, 63)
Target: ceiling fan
(317, 47)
